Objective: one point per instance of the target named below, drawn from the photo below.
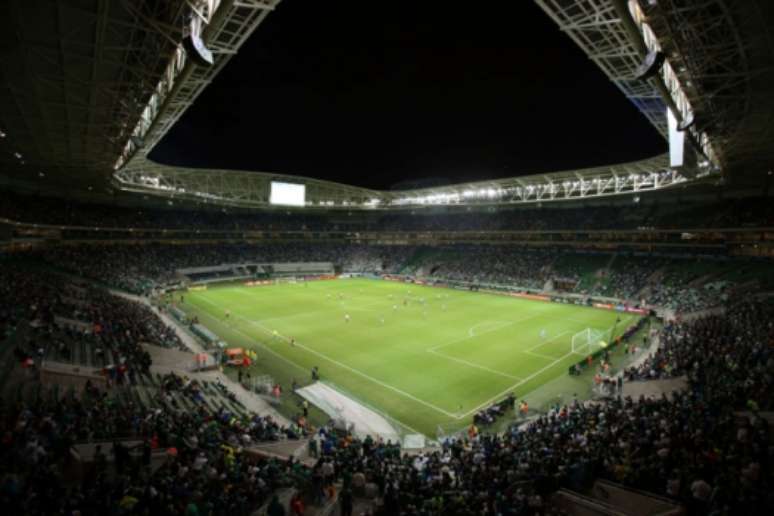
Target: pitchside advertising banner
(263, 283)
(621, 308)
(258, 283)
(526, 295)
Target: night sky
(401, 94)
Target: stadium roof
(88, 87)
(242, 188)
(718, 69)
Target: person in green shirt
(275, 507)
(191, 509)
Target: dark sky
(378, 93)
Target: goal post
(590, 340)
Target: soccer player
(543, 334)
(346, 317)
(292, 342)
(394, 307)
(228, 314)
(275, 334)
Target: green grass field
(424, 365)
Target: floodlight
(197, 50)
(687, 122)
(650, 65)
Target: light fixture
(687, 122)
(650, 65)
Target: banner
(257, 283)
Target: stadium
(187, 339)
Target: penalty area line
(533, 348)
(471, 364)
(499, 325)
(506, 391)
(540, 355)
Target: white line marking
(471, 364)
(252, 339)
(547, 341)
(344, 366)
(467, 337)
(504, 325)
(539, 355)
(509, 389)
(387, 386)
(497, 325)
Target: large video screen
(287, 194)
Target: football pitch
(424, 356)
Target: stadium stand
(106, 410)
(59, 318)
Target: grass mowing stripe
(342, 365)
(249, 337)
(481, 343)
(278, 355)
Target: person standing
(297, 506)
(275, 507)
(345, 502)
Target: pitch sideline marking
(249, 337)
(352, 369)
(266, 348)
(358, 372)
(430, 405)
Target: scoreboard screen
(287, 194)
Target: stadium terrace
(203, 341)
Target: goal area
(590, 340)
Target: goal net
(590, 340)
